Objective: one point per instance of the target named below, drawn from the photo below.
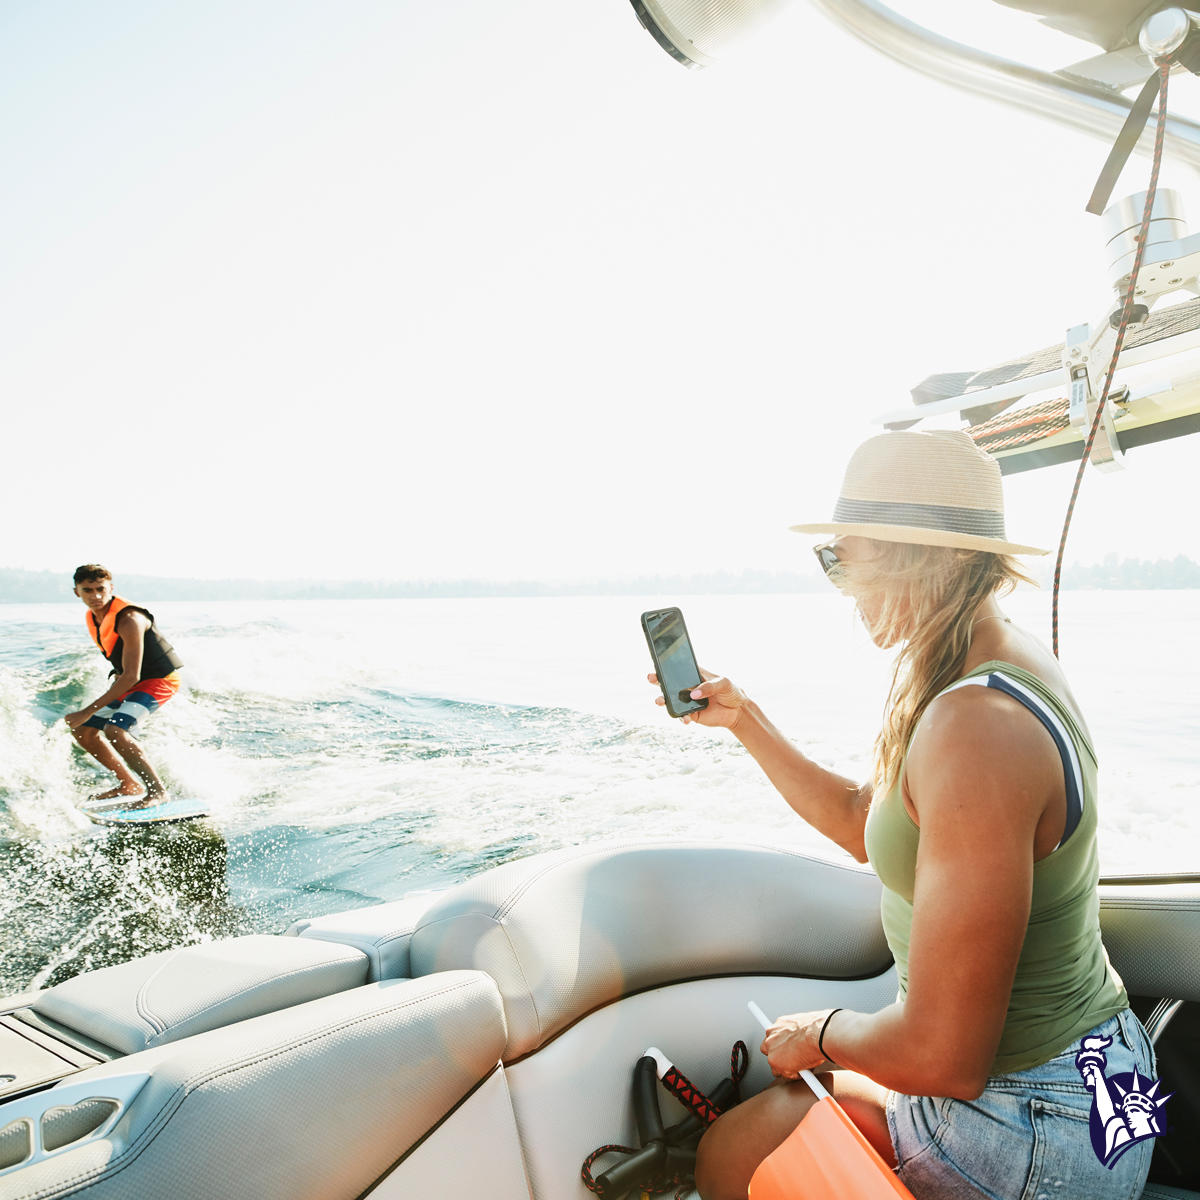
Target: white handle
(662, 1064)
(813, 1082)
(760, 1016)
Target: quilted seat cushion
(163, 997)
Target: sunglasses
(834, 568)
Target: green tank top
(1064, 983)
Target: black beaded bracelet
(821, 1035)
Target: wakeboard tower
(1104, 389)
(1037, 408)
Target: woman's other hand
(726, 701)
(791, 1044)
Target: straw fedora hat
(927, 487)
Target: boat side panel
(573, 1094)
(476, 1147)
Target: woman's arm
(980, 774)
(830, 803)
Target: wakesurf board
(120, 812)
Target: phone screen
(674, 660)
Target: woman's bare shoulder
(979, 745)
(1012, 644)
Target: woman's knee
(733, 1146)
(718, 1173)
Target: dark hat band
(979, 522)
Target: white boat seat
(565, 933)
(392, 1089)
(1141, 920)
(382, 932)
(164, 997)
(1144, 925)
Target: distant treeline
(1134, 573)
(36, 587)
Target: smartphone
(674, 659)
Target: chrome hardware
(1164, 33)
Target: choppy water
(352, 751)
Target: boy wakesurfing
(146, 668)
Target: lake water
(352, 751)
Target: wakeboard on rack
(1022, 435)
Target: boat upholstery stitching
(141, 1000)
(309, 968)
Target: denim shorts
(1027, 1137)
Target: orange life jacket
(158, 655)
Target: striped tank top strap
(1059, 733)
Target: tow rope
(1164, 70)
(666, 1158)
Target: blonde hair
(928, 597)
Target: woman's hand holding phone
(725, 701)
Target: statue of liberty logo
(1126, 1118)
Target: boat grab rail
(118, 1090)
(1089, 108)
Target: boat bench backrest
(565, 933)
(326, 1100)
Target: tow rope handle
(682, 1088)
(664, 1159)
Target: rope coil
(1025, 425)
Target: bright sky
(497, 290)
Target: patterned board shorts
(1027, 1137)
(139, 702)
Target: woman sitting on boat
(981, 824)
